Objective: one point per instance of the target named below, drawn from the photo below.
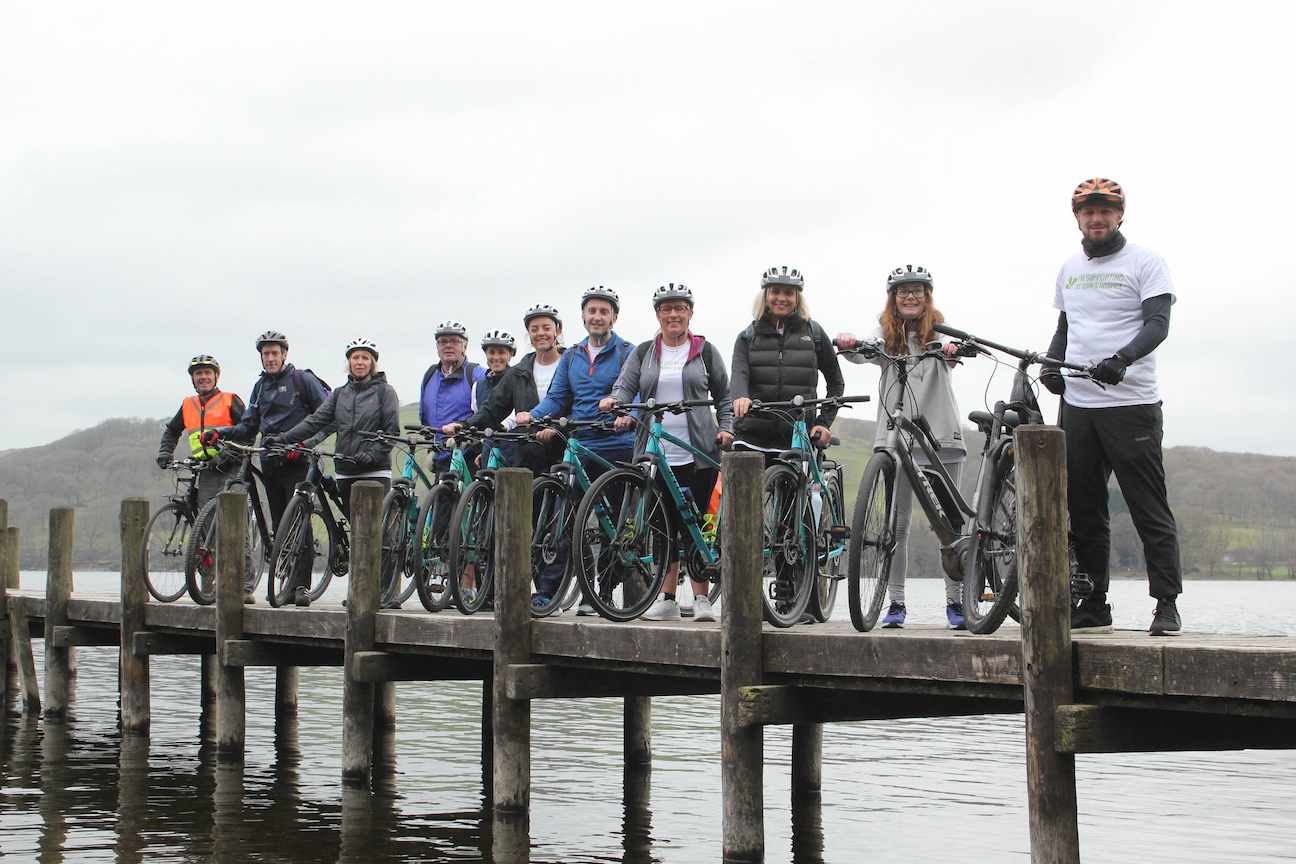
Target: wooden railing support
(231, 699)
(511, 735)
(362, 612)
(134, 670)
(59, 662)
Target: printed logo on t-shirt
(1097, 280)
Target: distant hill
(1237, 511)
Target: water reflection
(132, 798)
(53, 780)
(637, 822)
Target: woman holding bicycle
(366, 403)
(905, 328)
(675, 366)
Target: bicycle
(307, 523)
(978, 538)
(432, 577)
(200, 553)
(803, 539)
(555, 498)
(400, 523)
(625, 529)
(166, 537)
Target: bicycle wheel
(788, 547)
(872, 541)
(472, 546)
(200, 556)
(990, 585)
(166, 539)
(258, 553)
(551, 545)
(623, 539)
(432, 577)
(830, 550)
(303, 549)
(395, 540)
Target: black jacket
(773, 367)
(370, 405)
(515, 391)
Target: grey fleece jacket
(370, 405)
(929, 394)
(703, 379)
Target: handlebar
(1026, 356)
(652, 406)
(800, 402)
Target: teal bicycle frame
(661, 467)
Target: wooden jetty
(1110, 693)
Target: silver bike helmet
(783, 276)
(541, 310)
(672, 292)
(499, 339)
(359, 343)
(203, 361)
(598, 292)
(908, 273)
(272, 337)
(451, 328)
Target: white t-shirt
(670, 388)
(1103, 301)
(543, 376)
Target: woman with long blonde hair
(905, 327)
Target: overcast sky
(176, 178)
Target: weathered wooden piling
(286, 682)
(742, 747)
(1042, 566)
(5, 642)
(9, 578)
(133, 674)
(20, 639)
(231, 700)
(59, 660)
(362, 610)
(385, 704)
(488, 734)
(511, 748)
(636, 732)
(807, 762)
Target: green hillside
(1237, 511)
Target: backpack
(304, 391)
(642, 351)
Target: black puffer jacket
(515, 391)
(774, 366)
(370, 405)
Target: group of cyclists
(1113, 300)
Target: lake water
(905, 791)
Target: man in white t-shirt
(1114, 302)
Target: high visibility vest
(198, 418)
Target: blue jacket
(578, 385)
(448, 398)
(278, 403)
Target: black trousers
(280, 479)
(1127, 440)
(700, 480)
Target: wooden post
(58, 590)
(807, 761)
(286, 679)
(636, 732)
(385, 705)
(362, 610)
(511, 733)
(9, 575)
(742, 748)
(207, 676)
(231, 700)
(1042, 565)
(20, 639)
(133, 677)
(6, 643)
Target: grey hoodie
(370, 405)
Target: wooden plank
(540, 681)
(377, 666)
(252, 652)
(1233, 672)
(979, 660)
(668, 645)
(771, 705)
(292, 622)
(180, 616)
(1095, 729)
(94, 611)
(1120, 667)
(149, 643)
(70, 635)
(448, 630)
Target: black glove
(270, 441)
(163, 461)
(1110, 371)
(1051, 378)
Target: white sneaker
(585, 609)
(663, 610)
(702, 610)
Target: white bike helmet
(360, 342)
(908, 273)
(451, 328)
(672, 292)
(783, 276)
(541, 310)
(499, 339)
(598, 292)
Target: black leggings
(699, 480)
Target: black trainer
(1165, 621)
(1091, 617)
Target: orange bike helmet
(1098, 190)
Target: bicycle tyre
(164, 554)
(787, 550)
(299, 534)
(472, 542)
(200, 556)
(622, 569)
(990, 583)
(828, 570)
(547, 533)
(872, 541)
(432, 578)
(395, 543)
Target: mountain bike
(200, 553)
(624, 526)
(978, 538)
(804, 530)
(167, 533)
(400, 552)
(312, 544)
(555, 498)
(432, 577)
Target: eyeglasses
(911, 292)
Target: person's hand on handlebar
(451, 428)
(163, 461)
(1110, 371)
(622, 423)
(724, 439)
(846, 341)
(606, 404)
(1051, 378)
(741, 406)
(820, 435)
(211, 436)
(522, 418)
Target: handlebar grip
(951, 331)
